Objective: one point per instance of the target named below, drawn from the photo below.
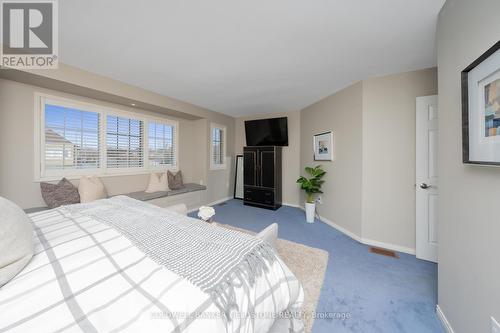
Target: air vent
(384, 252)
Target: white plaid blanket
(86, 276)
(206, 255)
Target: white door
(427, 192)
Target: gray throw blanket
(208, 256)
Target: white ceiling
(247, 57)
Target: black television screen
(267, 132)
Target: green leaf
(312, 185)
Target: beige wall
(68, 76)
(342, 114)
(369, 188)
(17, 152)
(291, 154)
(389, 155)
(221, 181)
(469, 224)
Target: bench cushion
(143, 196)
(35, 210)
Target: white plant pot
(310, 212)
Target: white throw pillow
(91, 188)
(158, 182)
(16, 240)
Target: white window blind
(124, 142)
(162, 144)
(218, 149)
(71, 138)
(75, 138)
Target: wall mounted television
(267, 132)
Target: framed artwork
(323, 146)
(481, 109)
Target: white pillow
(270, 235)
(158, 182)
(16, 240)
(91, 188)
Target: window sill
(217, 167)
(109, 174)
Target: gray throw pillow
(62, 193)
(16, 240)
(175, 181)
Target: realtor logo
(29, 34)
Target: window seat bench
(191, 195)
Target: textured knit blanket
(208, 256)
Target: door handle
(424, 186)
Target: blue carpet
(377, 293)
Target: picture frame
(323, 148)
(481, 109)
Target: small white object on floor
(179, 208)
(270, 234)
(206, 213)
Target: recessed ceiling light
(133, 104)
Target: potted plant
(311, 186)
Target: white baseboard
(393, 247)
(366, 241)
(216, 202)
(343, 230)
(213, 203)
(446, 324)
(291, 205)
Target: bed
(121, 265)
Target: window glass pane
(71, 138)
(217, 146)
(162, 145)
(124, 142)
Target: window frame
(171, 167)
(41, 174)
(104, 132)
(214, 166)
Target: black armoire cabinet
(262, 177)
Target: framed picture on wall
(323, 146)
(481, 109)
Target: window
(124, 142)
(71, 138)
(217, 147)
(162, 144)
(75, 139)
